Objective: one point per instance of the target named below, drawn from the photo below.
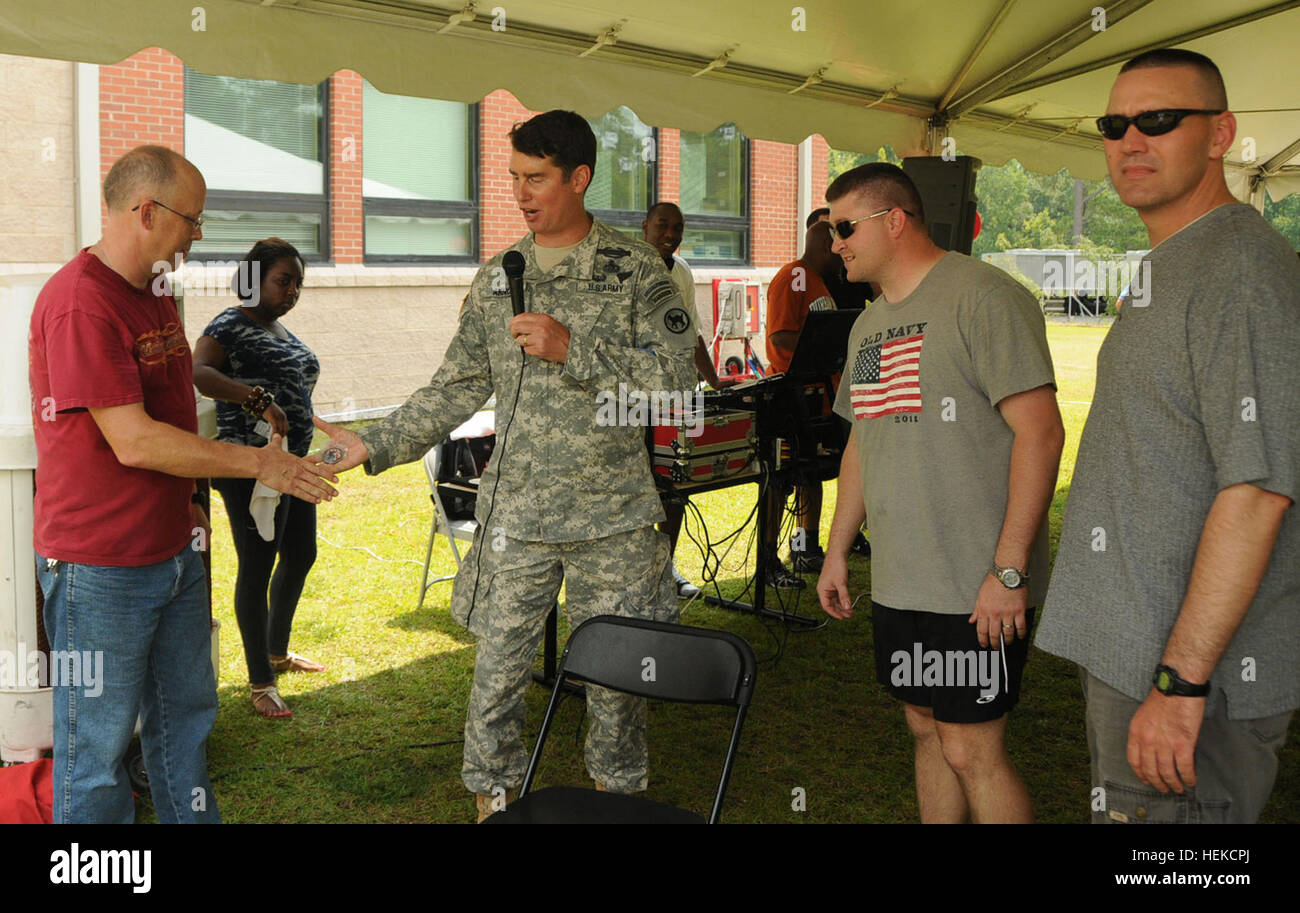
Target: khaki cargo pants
(517, 582)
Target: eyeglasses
(197, 223)
(1152, 123)
(844, 228)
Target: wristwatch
(1010, 577)
(1169, 682)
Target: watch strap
(1168, 682)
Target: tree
(1285, 217)
(1020, 208)
(841, 160)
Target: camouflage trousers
(517, 582)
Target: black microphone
(513, 264)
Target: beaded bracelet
(258, 402)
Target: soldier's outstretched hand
(342, 451)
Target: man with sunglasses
(952, 460)
(117, 544)
(846, 294)
(1175, 587)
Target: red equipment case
(724, 446)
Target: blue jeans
(147, 629)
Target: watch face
(1163, 681)
(1011, 578)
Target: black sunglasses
(845, 227)
(1152, 123)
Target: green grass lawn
(377, 736)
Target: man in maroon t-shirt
(125, 594)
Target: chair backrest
(432, 460)
(432, 463)
(662, 661)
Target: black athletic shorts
(936, 661)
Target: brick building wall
(669, 154)
(141, 100)
(37, 161)
(380, 330)
(500, 222)
(774, 216)
(347, 219)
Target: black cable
(485, 529)
(711, 560)
(708, 551)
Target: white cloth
(263, 504)
(480, 424)
(684, 279)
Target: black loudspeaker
(947, 191)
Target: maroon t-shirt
(97, 341)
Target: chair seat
(573, 805)
(463, 529)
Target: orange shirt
(792, 293)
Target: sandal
(282, 711)
(292, 662)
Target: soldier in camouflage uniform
(565, 497)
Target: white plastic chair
(452, 529)
(480, 424)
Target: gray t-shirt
(1197, 389)
(921, 383)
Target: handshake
(309, 478)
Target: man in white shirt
(662, 229)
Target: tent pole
(804, 192)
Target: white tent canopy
(1002, 78)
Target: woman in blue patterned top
(262, 377)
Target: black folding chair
(652, 660)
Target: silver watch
(1010, 577)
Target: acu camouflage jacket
(557, 475)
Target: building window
(420, 179)
(715, 196)
(260, 146)
(623, 185)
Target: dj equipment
(775, 431)
(721, 444)
(795, 427)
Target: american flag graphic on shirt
(886, 378)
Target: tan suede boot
(601, 789)
(484, 804)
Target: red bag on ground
(27, 793)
